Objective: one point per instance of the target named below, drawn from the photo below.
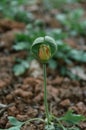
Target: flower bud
(44, 52)
(44, 48)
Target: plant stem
(45, 94)
(33, 119)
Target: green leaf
(14, 121)
(21, 37)
(15, 128)
(25, 64)
(70, 117)
(21, 67)
(58, 34)
(16, 124)
(18, 69)
(21, 46)
(52, 64)
(77, 55)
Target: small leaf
(14, 121)
(25, 64)
(18, 69)
(21, 46)
(52, 64)
(70, 117)
(15, 128)
(21, 67)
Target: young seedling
(43, 49)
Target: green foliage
(24, 41)
(52, 63)
(8, 8)
(20, 67)
(77, 55)
(13, 9)
(73, 21)
(21, 46)
(55, 123)
(72, 118)
(16, 125)
(58, 34)
(49, 4)
(68, 54)
(14, 121)
(23, 16)
(65, 55)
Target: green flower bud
(44, 48)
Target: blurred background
(64, 20)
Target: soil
(23, 95)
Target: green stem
(45, 94)
(33, 119)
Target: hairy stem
(45, 94)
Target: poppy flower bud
(44, 48)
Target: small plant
(43, 48)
